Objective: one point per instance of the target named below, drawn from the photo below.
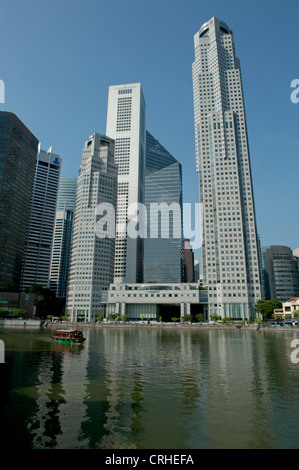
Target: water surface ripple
(150, 388)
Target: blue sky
(58, 59)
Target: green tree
(36, 289)
(226, 320)
(200, 317)
(113, 316)
(267, 307)
(187, 318)
(4, 312)
(174, 319)
(20, 312)
(215, 317)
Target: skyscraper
(230, 246)
(126, 125)
(66, 193)
(189, 261)
(18, 153)
(92, 257)
(281, 275)
(163, 257)
(61, 249)
(37, 256)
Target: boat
(68, 336)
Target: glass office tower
(18, 154)
(61, 250)
(66, 193)
(163, 257)
(230, 246)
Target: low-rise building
(152, 301)
(290, 309)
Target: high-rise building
(66, 193)
(126, 125)
(230, 246)
(189, 261)
(196, 271)
(281, 275)
(37, 256)
(163, 257)
(18, 154)
(61, 250)
(92, 255)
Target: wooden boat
(68, 336)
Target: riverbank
(23, 322)
(139, 324)
(163, 325)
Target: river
(150, 388)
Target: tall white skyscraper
(92, 257)
(230, 246)
(126, 125)
(37, 257)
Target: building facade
(189, 261)
(290, 309)
(37, 256)
(230, 247)
(126, 125)
(281, 274)
(66, 193)
(163, 253)
(61, 249)
(161, 301)
(18, 154)
(92, 253)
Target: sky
(58, 59)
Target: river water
(150, 388)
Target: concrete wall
(25, 323)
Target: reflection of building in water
(236, 383)
(38, 423)
(61, 409)
(73, 408)
(118, 431)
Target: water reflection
(149, 388)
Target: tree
(215, 317)
(20, 312)
(267, 307)
(36, 289)
(113, 316)
(200, 317)
(187, 318)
